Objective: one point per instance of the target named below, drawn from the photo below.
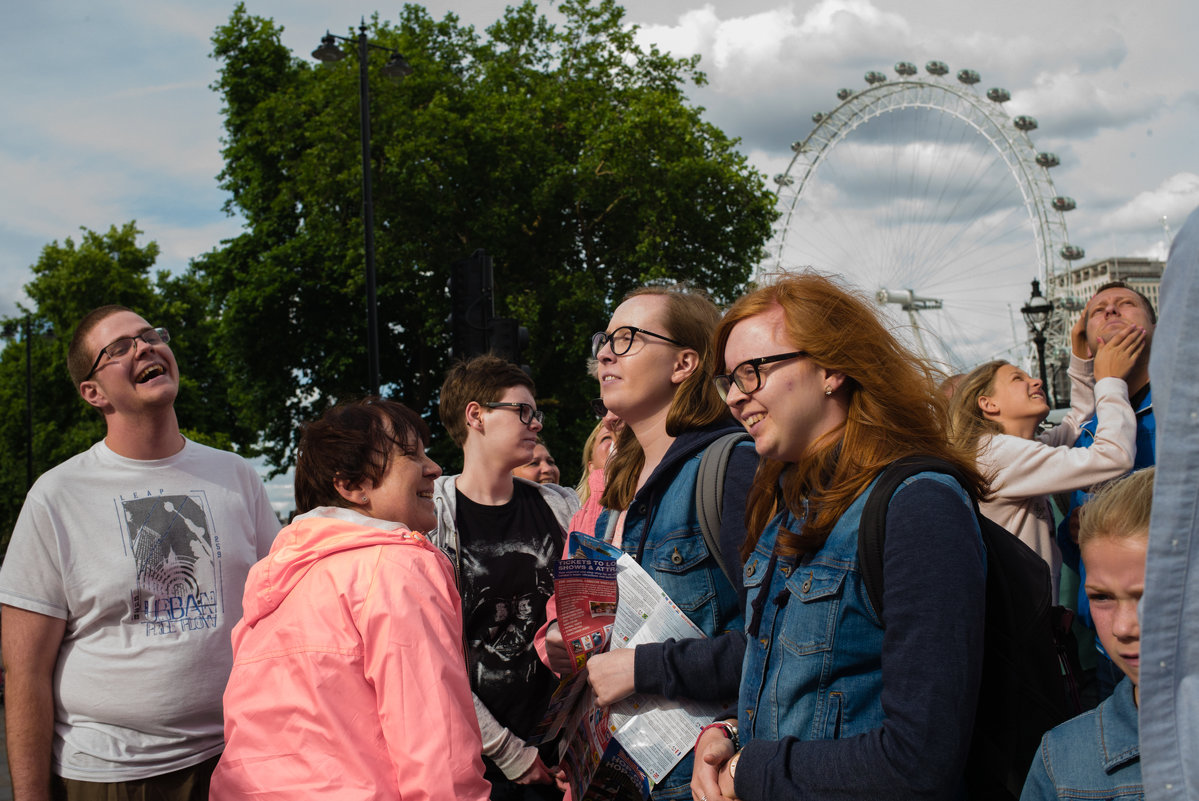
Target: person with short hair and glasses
(121, 585)
(503, 535)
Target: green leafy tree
(69, 280)
(566, 151)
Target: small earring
(365, 499)
(828, 390)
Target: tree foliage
(69, 280)
(564, 150)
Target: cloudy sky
(108, 116)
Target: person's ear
(93, 394)
(350, 492)
(474, 416)
(686, 362)
(988, 405)
(833, 380)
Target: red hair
(895, 407)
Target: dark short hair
(353, 441)
(79, 358)
(1137, 292)
(483, 379)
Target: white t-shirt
(146, 562)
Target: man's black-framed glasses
(527, 413)
(118, 348)
(747, 376)
(622, 339)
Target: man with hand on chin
(1113, 308)
(121, 585)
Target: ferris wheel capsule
(968, 77)
(905, 68)
(844, 94)
(783, 180)
(874, 76)
(1062, 203)
(818, 117)
(999, 95)
(1025, 123)
(1048, 160)
(936, 68)
(1072, 253)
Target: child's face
(1115, 583)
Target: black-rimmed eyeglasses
(747, 375)
(527, 413)
(622, 339)
(118, 348)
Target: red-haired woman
(836, 701)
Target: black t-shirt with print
(508, 553)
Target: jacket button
(749, 713)
(785, 570)
(641, 508)
(807, 585)
(749, 571)
(676, 557)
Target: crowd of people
(163, 638)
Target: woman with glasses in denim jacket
(655, 374)
(834, 701)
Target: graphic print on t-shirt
(175, 555)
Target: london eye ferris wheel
(921, 191)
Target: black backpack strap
(872, 529)
(709, 495)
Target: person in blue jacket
(1097, 754)
(1114, 307)
(836, 701)
(655, 373)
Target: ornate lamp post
(1036, 313)
(396, 67)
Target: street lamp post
(1036, 313)
(396, 67)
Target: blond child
(1097, 754)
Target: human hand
(611, 675)
(713, 750)
(1078, 338)
(1117, 357)
(538, 773)
(561, 662)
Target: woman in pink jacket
(348, 679)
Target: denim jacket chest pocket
(681, 564)
(810, 617)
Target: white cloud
(1079, 105)
(1173, 199)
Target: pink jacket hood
(310, 538)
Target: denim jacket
(1094, 756)
(662, 531)
(834, 703)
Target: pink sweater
(348, 679)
